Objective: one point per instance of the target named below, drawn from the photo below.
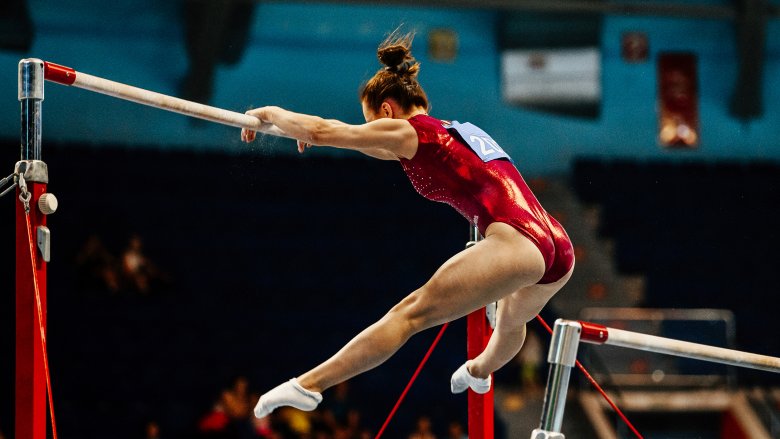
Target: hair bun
(393, 56)
(398, 79)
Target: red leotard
(445, 169)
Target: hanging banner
(678, 99)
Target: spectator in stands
(335, 410)
(237, 404)
(97, 267)
(295, 422)
(525, 258)
(423, 429)
(236, 400)
(152, 430)
(456, 431)
(214, 423)
(139, 273)
(230, 415)
(262, 426)
(136, 267)
(351, 428)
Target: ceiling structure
(750, 20)
(216, 31)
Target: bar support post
(480, 407)
(562, 357)
(30, 387)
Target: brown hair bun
(396, 53)
(393, 56)
(398, 80)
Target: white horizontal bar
(170, 103)
(652, 343)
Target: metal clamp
(31, 77)
(44, 243)
(564, 343)
(33, 170)
(24, 194)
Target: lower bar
(651, 343)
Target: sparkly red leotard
(445, 169)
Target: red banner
(678, 97)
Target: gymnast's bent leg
(514, 311)
(503, 262)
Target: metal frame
(563, 352)
(30, 385)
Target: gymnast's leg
(514, 311)
(503, 262)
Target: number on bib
(479, 141)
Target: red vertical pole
(480, 406)
(30, 385)
(477, 335)
(30, 372)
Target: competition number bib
(479, 141)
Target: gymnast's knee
(416, 313)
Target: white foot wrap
(462, 380)
(287, 394)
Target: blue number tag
(486, 148)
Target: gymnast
(525, 258)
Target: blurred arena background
(190, 271)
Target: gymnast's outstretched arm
(375, 138)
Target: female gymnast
(525, 258)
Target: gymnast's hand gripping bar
(68, 76)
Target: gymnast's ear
(386, 109)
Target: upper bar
(68, 76)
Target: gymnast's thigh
(502, 263)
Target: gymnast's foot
(462, 380)
(287, 394)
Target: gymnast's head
(394, 91)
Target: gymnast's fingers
(260, 113)
(247, 135)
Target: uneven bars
(599, 334)
(68, 76)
